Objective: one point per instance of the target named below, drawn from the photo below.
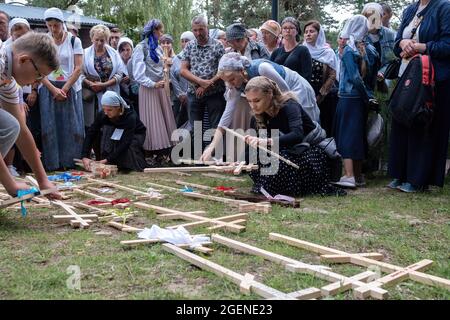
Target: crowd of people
(119, 103)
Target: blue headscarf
(152, 39)
(112, 99)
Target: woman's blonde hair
(269, 87)
(100, 29)
(40, 47)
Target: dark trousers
(180, 112)
(327, 112)
(214, 105)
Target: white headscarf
(372, 7)
(321, 51)
(375, 10)
(125, 40)
(54, 13)
(112, 99)
(188, 35)
(233, 61)
(15, 21)
(355, 30)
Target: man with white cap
(179, 84)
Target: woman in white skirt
(155, 109)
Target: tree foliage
(254, 12)
(132, 15)
(61, 4)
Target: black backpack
(412, 100)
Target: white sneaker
(13, 171)
(346, 182)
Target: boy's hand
(49, 185)
(14, 188)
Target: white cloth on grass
(173, 236)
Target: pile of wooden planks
(373, 288)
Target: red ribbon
(114, 202)
(122, 200)
(222, 188)
(77, 173)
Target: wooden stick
(261, 198)
(201, 248)
(244, 206)
(166, 71)
(230, 226)
(123, 227)
(321, 272)
(92, 195)
(162, 186)
(341, 286)
(65, 207)
(235, 217)
(77, 224)
(193, 185)
(338, 258)
(391, 279)
(237, 222)
(276, 155)
(32, 180)
(363, 261)
(90, 208)
(11, 201)
(239, 168)
(4, 196)
(201, 169)
(306, 294)
(31, 206)
(246, 284)
(163, 210)
(206, 163)
(256, 287)
(118, 186)
(70, 217)
(219, 176)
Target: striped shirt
(9, 90)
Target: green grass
(35, 252)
